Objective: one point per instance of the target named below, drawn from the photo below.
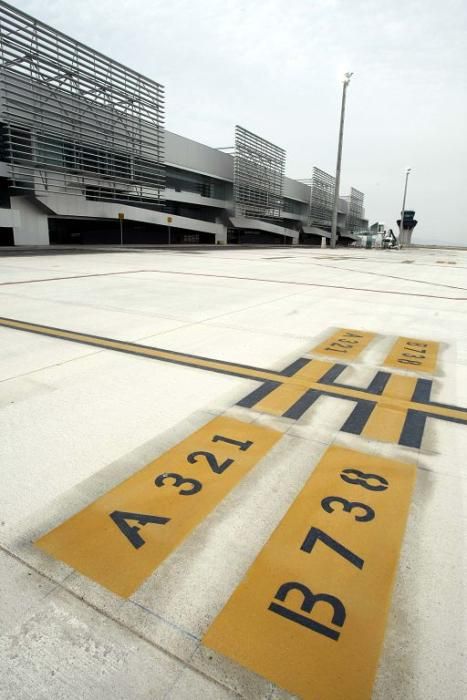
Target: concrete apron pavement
(258, 339)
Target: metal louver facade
(356, 211)
(75, 122)
(322, 197)
(258, 175)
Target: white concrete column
(221, 237)
(31, 223)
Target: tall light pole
(401, 234)
(345, 82)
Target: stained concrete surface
(76, 420)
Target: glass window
(49, 151)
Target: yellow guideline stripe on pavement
(387, 420)
(142, 350)
(453, 412)
(123, 536)
(344, 343)
(310, 614)
(413, 354)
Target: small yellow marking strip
(387, 420)
(313, 371)
(400, 386)
(123, 536)
(311, 612)
(282, 398)
(385, 424)
(345, 344)
(413, 354)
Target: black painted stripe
(357, 420)
(376, 386)
(258, 394)
(413, 429)
(422, 391)
(295, 367)
(297, 409)
(378, 383)
(331, 375)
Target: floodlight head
(347, 77)
(408, 170)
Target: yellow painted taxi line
(142, 350)
(387, 420)
(311, 612)
(350, 393)
(123, 536)
(396, 403)
(413, 354)
(231, 368)
(345, 343)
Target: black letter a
(120, 519)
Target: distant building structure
(355, 220)
(373, 236)
(85, 158)
(350, 214)
(377, 227)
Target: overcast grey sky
(273, 67)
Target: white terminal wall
(29, 223)
(186, 154)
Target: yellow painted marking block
(413, 354)
(344, 343)
(311, 612)
(387, 419)
(282, 398)
(313, 371)
(122, 537)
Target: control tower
(406, 230)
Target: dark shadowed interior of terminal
(107, 232)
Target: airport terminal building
(85, 158)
